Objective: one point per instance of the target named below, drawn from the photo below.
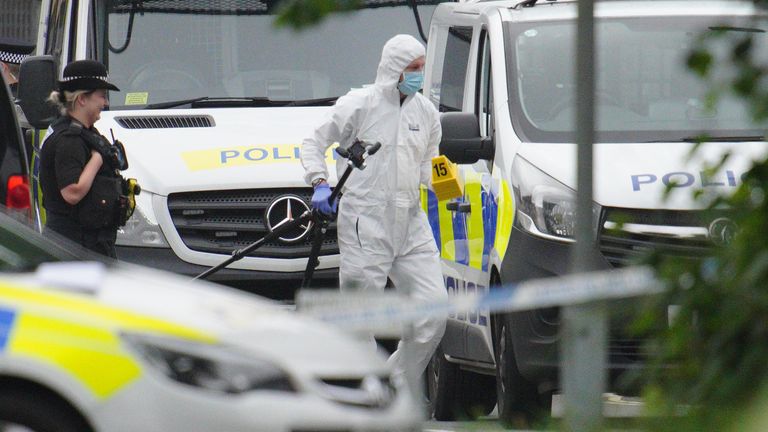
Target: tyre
(519, 401)
(478, 394)
(455, 394)
(32, 411)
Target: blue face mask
(411, 83)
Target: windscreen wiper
(704, 138)
(216, 102)
(313, 102)
(737, 29)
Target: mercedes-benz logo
(283, 210)
(722, 231)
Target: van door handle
(463, 207)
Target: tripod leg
(318, 235)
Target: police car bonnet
(14, 51)
(85, 75)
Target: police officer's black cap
(14, 51)
(85, 75)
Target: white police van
(213, 107)
(503, 73)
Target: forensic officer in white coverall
(382, 229)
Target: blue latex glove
(320, 200)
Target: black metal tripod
(355, 155)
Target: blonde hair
(65, 101)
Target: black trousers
(98, 240)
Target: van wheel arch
(22, 401)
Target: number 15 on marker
(440, 169)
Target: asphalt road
(614, 407)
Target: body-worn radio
(115, 157)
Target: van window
(159, 51)
(96, 24)
(57, 22)
(485, 87)
(644, 91)
(455, 68)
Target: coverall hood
(398, 53)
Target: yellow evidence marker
(445, 179)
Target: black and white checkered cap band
(14, 58)
(72, 78)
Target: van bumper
(535, 334)
(275, 285)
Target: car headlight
(209, 366)
(545, 207)
(142, 229)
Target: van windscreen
(644, 89)
(167, 50)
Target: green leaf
(302, 14)
(700, 62)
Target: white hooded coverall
(382, 229)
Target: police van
(503, 74)
(214, 103)
(14, 174)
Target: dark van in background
(14, 168)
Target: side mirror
(37, 79)
(461, 141)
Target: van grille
(678, 233)
(165, 122)
(224, 221)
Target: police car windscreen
(644, 89)
(168, 50)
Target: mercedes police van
(214, 103)
(503, 74)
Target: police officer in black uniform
(12, 53)
(79, 174)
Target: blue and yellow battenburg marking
(77, 335)
(265, 154)
(468, 238)
(7, 317)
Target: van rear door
(14, 174)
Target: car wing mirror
(37, 79)
(462, 142)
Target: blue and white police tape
(384, 313)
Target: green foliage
(302, 14)
(712, 361)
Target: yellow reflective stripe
(85, 309)
(92, 355)
(423, 195)
(262, 154)
(504, 220)
(473, 190)
(80, 335)
(448, 248)
(36, 188)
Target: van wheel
(28, 411)
(455, 394)
(519, 401)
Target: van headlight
(545, 207)
(142, 229)
(208, 366)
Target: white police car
(88, 346)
